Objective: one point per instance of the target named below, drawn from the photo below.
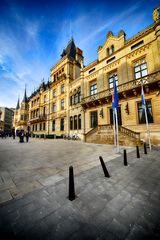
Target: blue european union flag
(115, 97)
(143, 99)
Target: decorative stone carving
(156, 14)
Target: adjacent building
(78, 100)
(6, 119)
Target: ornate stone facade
(78, 99)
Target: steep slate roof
(25, 96)
(70, 49)
(17, 105)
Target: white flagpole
(114, 128)
(145, 110)
(117, 130)
(148, 132)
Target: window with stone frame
(93, 88)
(79, 121)
(140, 68)
(75, 122)
(141, 112)
(53, 125)
(112, 48)
(44, 126)
(112, 76)
(62, 124)
(71, 123)
(94, 119)
(62, 88)
(44, 111)
(62, 104)
(76, 98)
(108, 51)
(79, 96)
(54, 93)
(54, 107)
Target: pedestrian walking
(27, 136)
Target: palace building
(78, 100)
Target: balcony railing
(151, 78)
(39, 118)
(22, 122)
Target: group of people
(19, 133)
(22, 134)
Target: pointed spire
(17, 104)
(71, 48)
(25, 95)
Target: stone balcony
(39, 118)
(151, 82)
(21, 122)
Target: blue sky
(34, 33)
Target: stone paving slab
(29, 166)
(124, 206)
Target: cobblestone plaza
(34, 190)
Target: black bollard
(71, 184)
(125, 158)
(145, 148)
(106, 174)
(138, 155)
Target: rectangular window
(40, 126)
(36, 127)
(70, 100)
(62, 104)
(44, 111)
(76, 98)
(79, 121)
(62, 88)
(79, 97)
(94, 119)
(73, 100)
(75, 122)
(111, 59)
(54, 107)
(141, 113)
(137, 45)
(111, 79)
(71, 123)
(54, 93)
(53, 125)
(33, 128)
(21, 117)
(140, 69)
(93, 89)
(92, 70)
(62, 124)
(44, 126)
(44, 98)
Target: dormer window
(112, 48)
(108, 51)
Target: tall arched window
(75, 122)
(79, 121)
(71, 123)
